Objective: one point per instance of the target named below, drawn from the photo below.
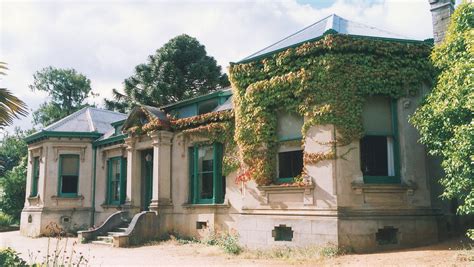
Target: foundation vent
(282, 233)
(387, 236)
(201, 225)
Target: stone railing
(113, 221)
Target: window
(289, 126)
(207, 106)
(205, 168)
(290, 165)
(35, 177)
(290, 156)
(117, 178)
(378, 148)
(68, 175)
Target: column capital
(130, 142)
(161, 137)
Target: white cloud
(105, 40)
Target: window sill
(111, 206)
(283, 187)
(360, 188)
(224, 205)
(32, 198)
(76, 197)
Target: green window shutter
(123, 180)
(192, 175)
(218, 194)
(35, 177)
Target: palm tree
(10, 105)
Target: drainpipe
(94, 156)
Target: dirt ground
(454, 252)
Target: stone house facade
(377, 192)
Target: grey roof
(157, 112)
(87, 119)
(227, 105)
(317, 29)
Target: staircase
(108, 239)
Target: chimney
(441, 11)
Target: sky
(106, 39)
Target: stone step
(102, 243)
(115, 233)
(122, 229)
(107, 239)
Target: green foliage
(5, 220)
(228, 241)
(67, 89)
(326, 81)
(13, 185)
(445, 118)
(12, 149)
(10, 105)
(180, 69)
(9, 257)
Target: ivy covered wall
(326, 81)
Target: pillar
(161, 195)
(133, 197)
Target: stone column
(161, 195)
(441, 11)
(133, 197)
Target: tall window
(117, 177)
(290, 154)
(68, 175)
(379, 146)
(35, 177)
(205, 168)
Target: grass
(296, 254)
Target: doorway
(147, 178)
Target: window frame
(394, 179)
(217, 177)
(282, 180)
(35, 177)
(60, 175)
(122, 180)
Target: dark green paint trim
(94, 168)
(110, 141)
(197, 99)
(123, 176)
(47, 134)
(117, 123)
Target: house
(310, 146)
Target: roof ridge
(106, 110)
(91, 121)
(289, 36)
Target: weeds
(5, 220)
(296, 254)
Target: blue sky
(105, 40)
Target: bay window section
(379, 146)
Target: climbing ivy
(326, 81)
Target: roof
(227, 105)
(317, 30)
(88, 119)
(85, 123)
(222, 92)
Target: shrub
(5, 220)
(9, 257)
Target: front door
(147, 178)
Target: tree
(67, 89)
(13, 190)
(445, 118)
(179, 70)
(12, 149)
(10, 105)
